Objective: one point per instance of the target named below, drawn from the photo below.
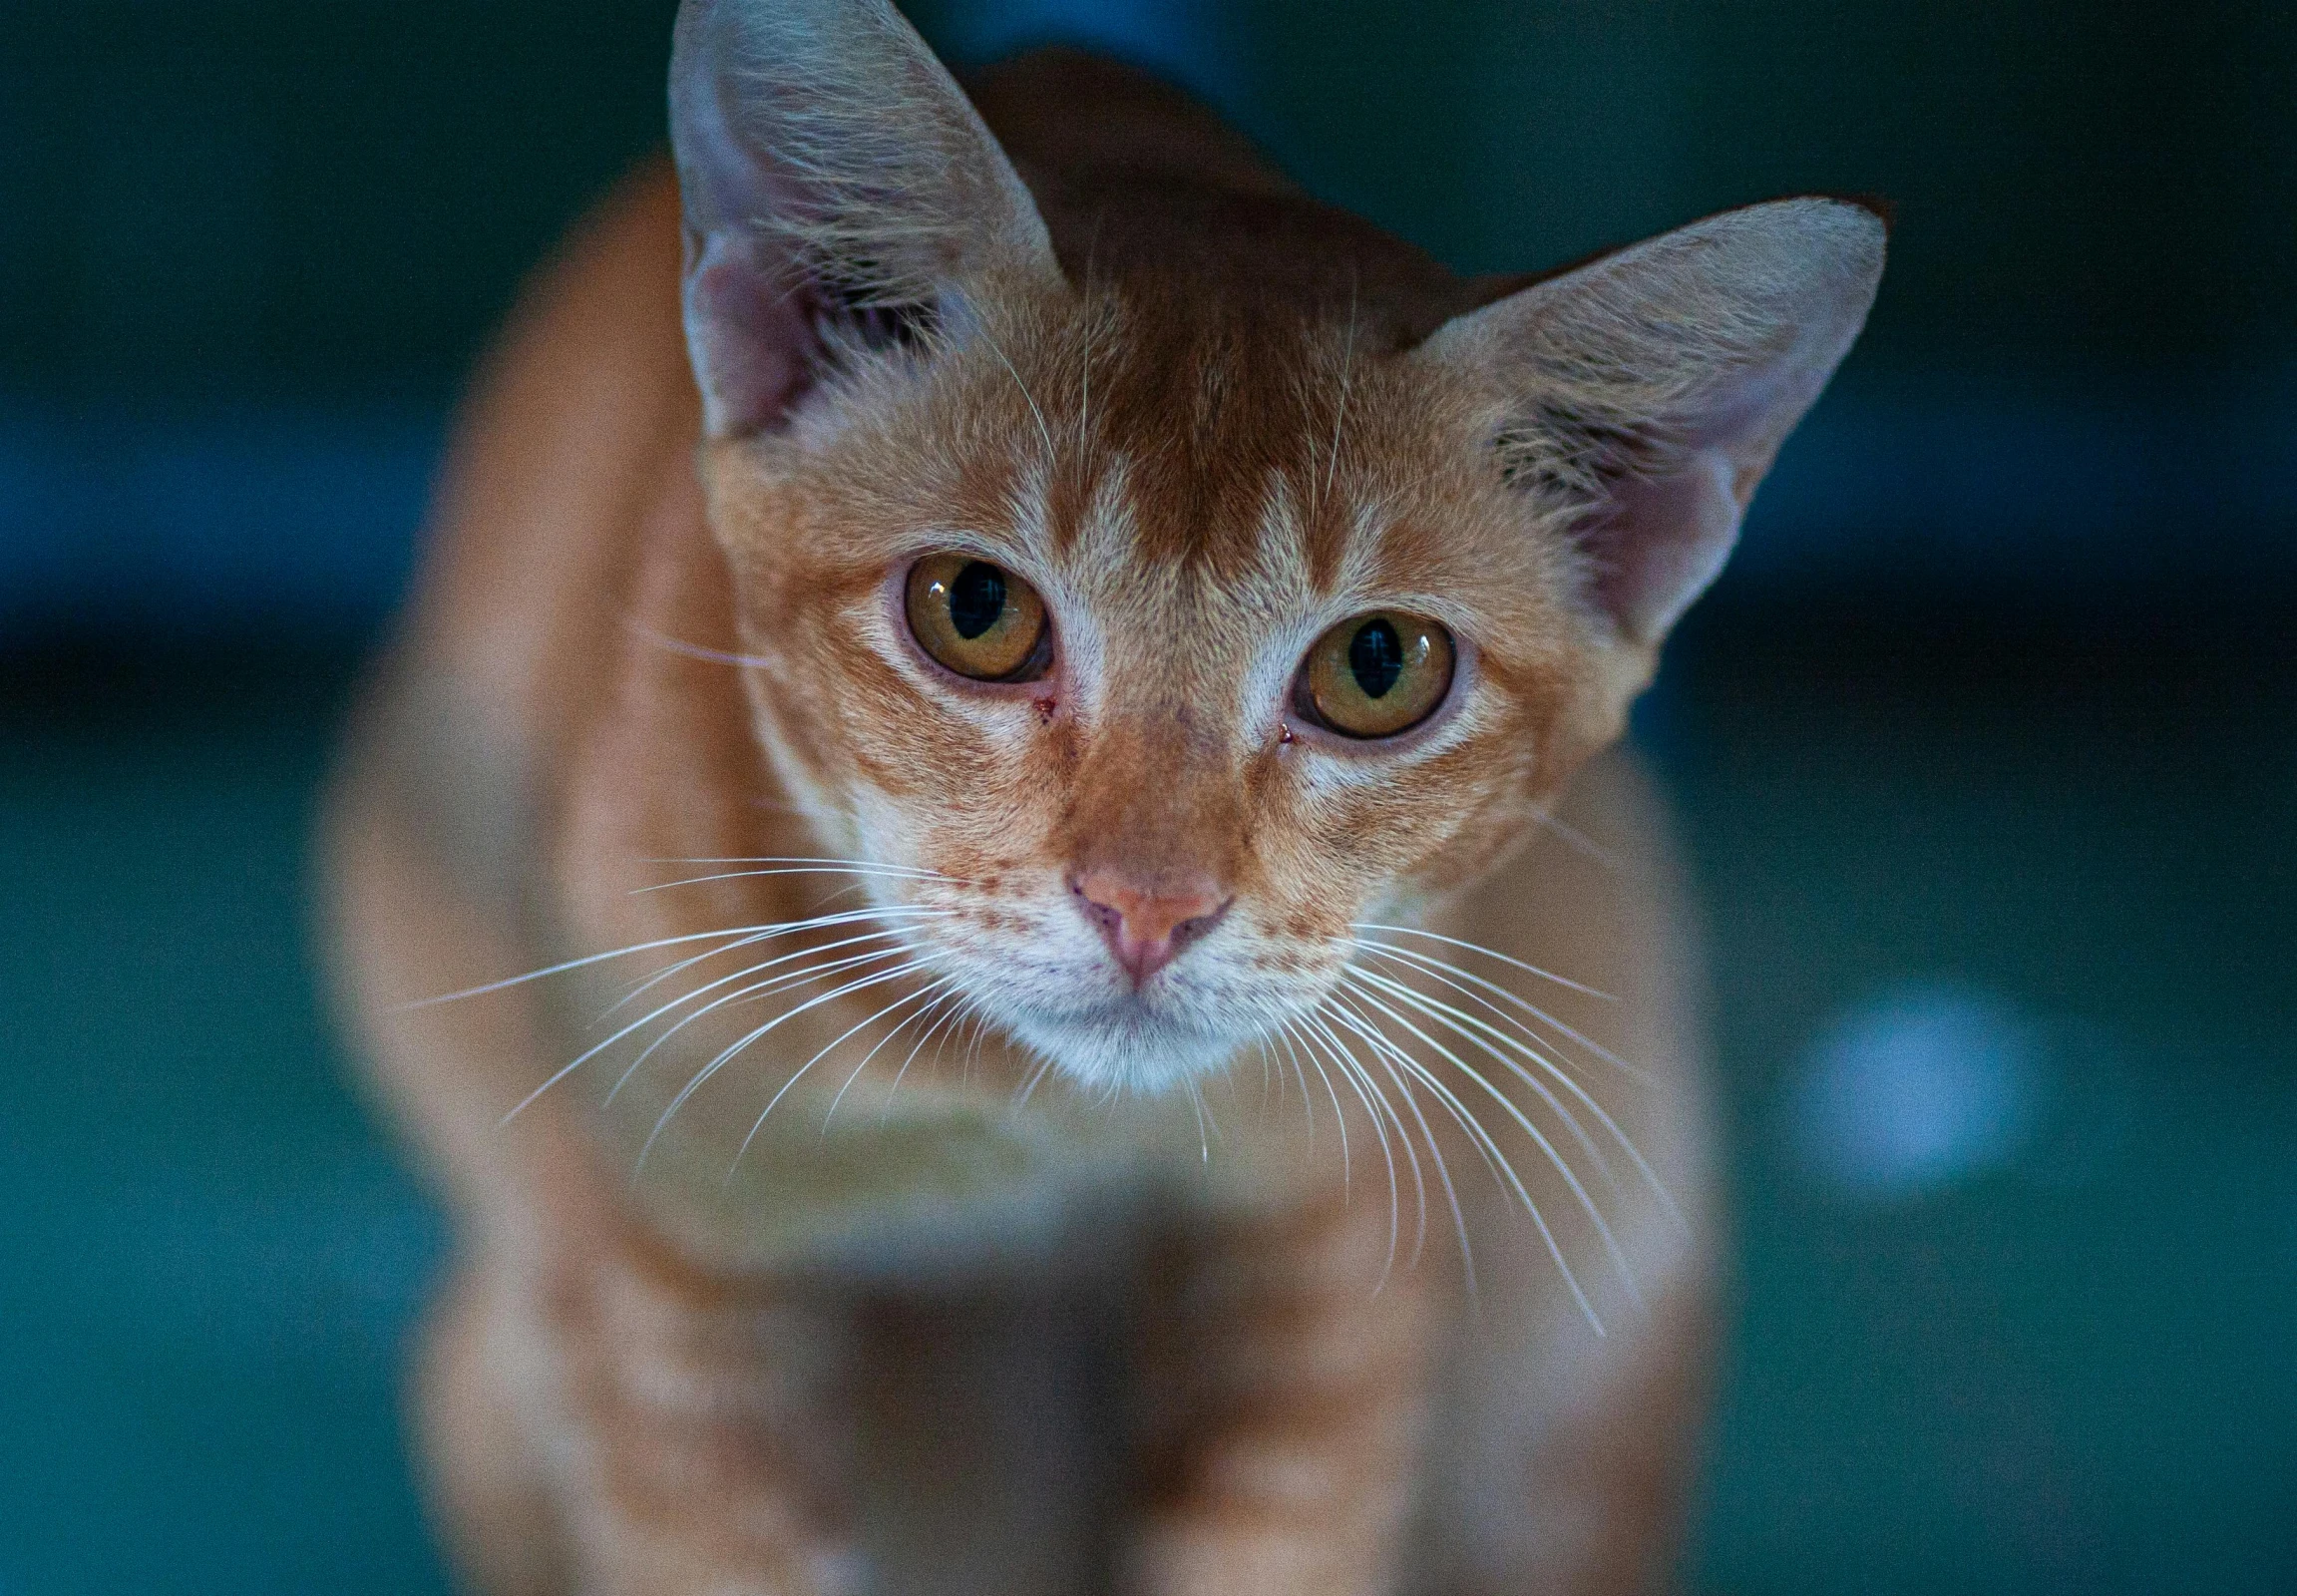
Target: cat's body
(972, 1313)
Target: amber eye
(979, 619)
(1375, 675)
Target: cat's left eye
(979, 618)
(1375, 675)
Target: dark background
(1983, 747)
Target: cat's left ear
(1642, 397)
(836, 184)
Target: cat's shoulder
(1598, 899)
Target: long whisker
(1551, 1053)
(572, 964)
(1443, 970)
(785, 869)
(1466, 1026)
(820, 1053)
(926, 991)
(1339, 1116)
(1339, 411)
(1028, 1089)
(1368, 1084)
(1571, 1178)
(694, 650)
(969, 1015)
(703, 1075)
(1503, 1168)
(1307, 1098)
(640, 1024)
(968, 1038)
(1385, 1053)
(1554, 1157)
(955, 1012)
(924, 871)
(1458, 1020)
(1488, 953)
(973, 1055)
(1358, 1082)
(787, 927)
(1052, 454)
(1578, 841)
(1394, 1059)
(763, 989)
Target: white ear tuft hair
(831, 170)
(1644, 395)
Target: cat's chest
(939, 1184)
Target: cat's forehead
(1238, 458)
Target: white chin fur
(1143, 1054)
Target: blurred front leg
(1289, 1399)
(707, 1445)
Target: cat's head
(1170, 589)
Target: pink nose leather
(1146, 930)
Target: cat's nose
(1147, 928)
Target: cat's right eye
(979, 618)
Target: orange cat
(1098, 1016)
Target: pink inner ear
(1663, 536)
(1674, 370)
(1660, 539)
(751, 335)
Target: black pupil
(977, 598)
(1375, 655)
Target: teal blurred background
(1985, 747)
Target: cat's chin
(1126, 1051)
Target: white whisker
(820, 1053)
(1459, 1022)
(703, 1075)
(1307, 1098)
(1466, 1026)
(1386, 1052)
(929, 989)
(638, 1024)
(1339, 411)
(694, 650)
(797, 859)
(1444, 969)
(974, 1054)
(1339, 1115)
(1488, 953)
(1578, 841)
(772, 983)
(756, 989)
(1043, 431)
(571, 964)
(957, 1013)
(1357, 1082)
(1029, 1087)
(787, 927)
(781, 870)
(1474, 1127)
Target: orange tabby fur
(1218, 1331)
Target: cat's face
(1272, 645)
(1153, 630)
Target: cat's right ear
(835, 179)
